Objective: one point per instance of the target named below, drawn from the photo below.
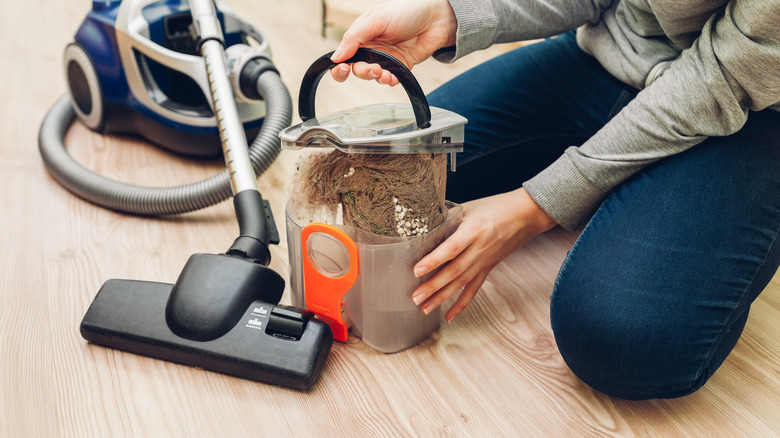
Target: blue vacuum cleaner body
(134, 68)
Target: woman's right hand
(409, 30)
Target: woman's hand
(409, 30)
(492, 228)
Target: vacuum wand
(253, 240)
(234, 145)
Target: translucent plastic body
(378, 308)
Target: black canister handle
(422, 112)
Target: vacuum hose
(160, 201)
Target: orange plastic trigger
(324, 293)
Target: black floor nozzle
(221, 315)
(279, 345)
(214, 290)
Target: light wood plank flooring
(494, 372)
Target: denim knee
(656, 291)
(621, 349)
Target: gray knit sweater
(701, 65)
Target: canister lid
(378, 129)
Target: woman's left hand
(492, 228)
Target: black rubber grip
(251, 73)
(422, 112)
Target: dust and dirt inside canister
(374, 168)
(394, 195)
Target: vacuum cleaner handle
(422, 112)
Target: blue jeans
(655, 292)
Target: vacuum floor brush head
(278, 345)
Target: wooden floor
(494, 372)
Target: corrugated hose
(160, 201)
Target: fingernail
(449, 318)
(336, 54)
(419, 298)
(427, 309)
(372, 75)
(420, 271)
(344, 69)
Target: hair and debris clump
(396, 195)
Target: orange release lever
(324, 292)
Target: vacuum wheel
(83, 86)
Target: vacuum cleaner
(195, 79)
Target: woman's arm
(733, 67)
(413, 30)
(482, 23)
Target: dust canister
(366, 203)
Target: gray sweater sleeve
(482, 23)
(731, 68)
